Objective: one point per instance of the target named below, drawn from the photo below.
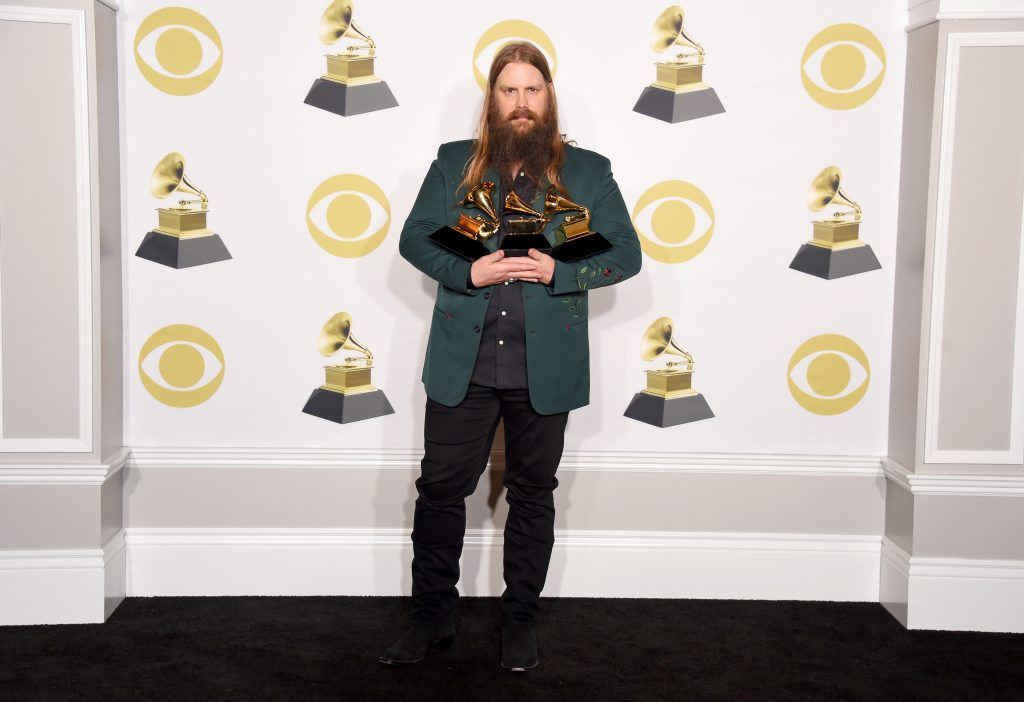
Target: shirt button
(500, 341)
(503, 313)
(506, 282)
(476, 329)
(522, 173)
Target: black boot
(417, 641)
(519, 647)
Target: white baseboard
(839, 567)
(956, 594)
(62, 586)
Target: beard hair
(530, 148)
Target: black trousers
(457, 443)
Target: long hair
(521, 52)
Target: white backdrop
(259, 152)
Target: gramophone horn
(515, 203)
(555, 204)
(657, 341)
(169, 177)
(825, 191)
(337, 334)
(336, 23)
(668, 31)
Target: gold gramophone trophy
(679, 93)
(346, 395)
(349, 87)
(669, 398)
(467, 236)
(835, 251)
(524, 233)
(180, 239)
(579, 242)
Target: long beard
(531, 148)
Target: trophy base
(459, 244)
(582, 247)
(520, 244)
(667, 412)
(182, 253)
(669, 106)
(341, 408)
(348, 100)
(829, 264)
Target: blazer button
(487, 295)
(476, 328)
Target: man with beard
(508, 339)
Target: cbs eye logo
(181, 365)
(843, 66)
(348, 215)
(178, 51)
(675, 220)
(502, 33)
(828, 374)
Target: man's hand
(496, 268)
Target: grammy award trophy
(180, 239)
(466, 237)
(835, 249)
(349, 87)
(579, 242)
(669, 398)
(679, 93)
(346, 395)
(524, 233)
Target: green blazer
(557, 347)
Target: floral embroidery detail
(607, 272)
(448, 314)
(567, 327)
(618, 277)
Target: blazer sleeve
(609, 217)
(427, 216)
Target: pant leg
(533, 449)
(457, 442)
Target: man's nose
(521, 99)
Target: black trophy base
(668, 412)
(828, 264)
(182, 253)
(581, 247)
(678, 107)
(343, 409)
(520, 244)
(348, 100)
(459, 244)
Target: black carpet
(312, 648)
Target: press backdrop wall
(799, 491)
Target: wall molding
(84, 221)
(407, 459)
(1014, 454)
(62, 586)
(63, 473)
(838, 567)
(925, 12)
(955, 485)
(962, 594)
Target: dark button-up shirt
(501, 360)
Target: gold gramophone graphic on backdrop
(347, 394)
(349, 87)
(466, 237)
(835, 249)
(579, 242)
(679, 93)
(181, 238)
(669, 398)
(524, 233)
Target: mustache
(523, 112)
